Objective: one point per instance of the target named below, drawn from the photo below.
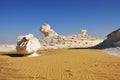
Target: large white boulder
(47, 31)
(28, 44)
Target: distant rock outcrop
(113, 40)
(28, 45)
(47, 31)
(7, 47)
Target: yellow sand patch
(63, 64)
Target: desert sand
(61, 64)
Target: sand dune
(61, 64)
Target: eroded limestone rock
(113, 40)
(28, 44)
(72, 41)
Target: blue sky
(66, 17)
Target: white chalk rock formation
(113, 40)
(47, 31)
(28, 44)
(54, 41)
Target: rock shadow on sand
(14, 55)
(81, 48)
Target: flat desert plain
(61, 64)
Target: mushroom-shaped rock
(47, 31)
(83, 32)
(28, 44)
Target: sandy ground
(61, 64)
